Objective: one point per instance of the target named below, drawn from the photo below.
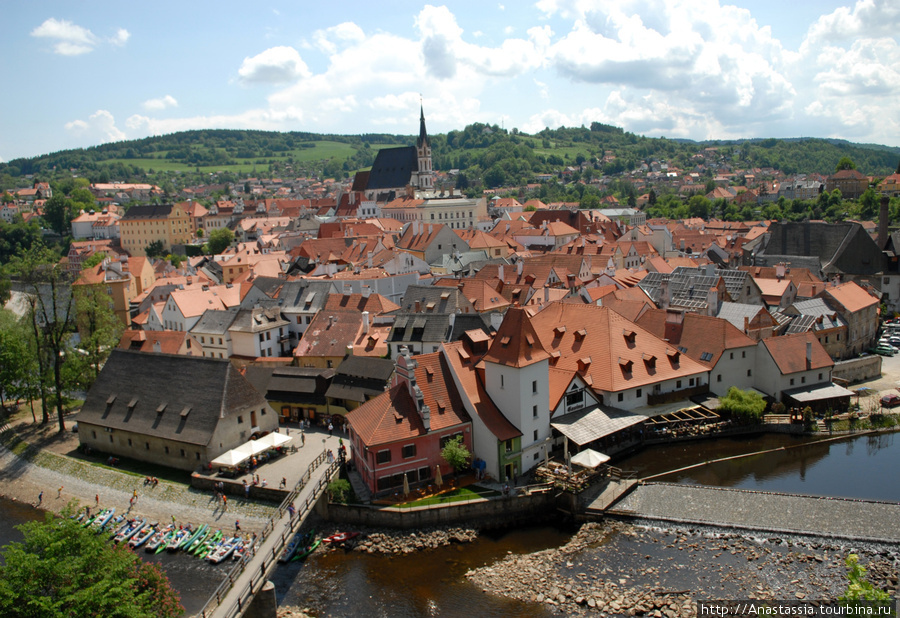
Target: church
(396, 170)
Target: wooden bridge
(247, 577)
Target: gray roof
(291, 384)
(148, 211)
(589, 424)
(215, 321)
(420, 327)
(305, 295)
(456, 263)
(393, 168)
(469, 321)
(359, 378)
(258, 319)
(180, 398)
(443, 299)
(736, 312)
(824, 317)
(843, 247)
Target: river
(433, 583)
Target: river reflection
(858, 467)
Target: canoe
(340, 537)
(246, 549)
(179, 538)
(308, 550)
(189, 542)
(209, 544)
(143, 536)
(224, 551)
(300, 539)
(136, 526)
(102, 519)
(158, 538)
(122, 525)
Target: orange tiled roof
(789, 352)
(516, 343)
(851, 296)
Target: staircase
(359, 487)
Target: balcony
(655, 399)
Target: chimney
(500, 272)
(366, 291)
(369, 259)
(365, 320)
(349, 351)
(809, 354)
(157, 347)
(348, 289)
(330, 320)
(520, 266)
(430, 229)
(746, 325)
(418, 306)
(883, 219)
(779, 271)
(665, 294)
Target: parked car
(884, 350)
(890, 400)
(894, 340)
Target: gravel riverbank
(614, 568)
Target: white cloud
(160, 103)
(98, 128)
(70, 39)
(120, 38)
(273, 66)
(868, 18)
(330, 39)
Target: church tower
(425, 177)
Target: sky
(77, 74)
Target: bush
(745, 406)
(339, 490)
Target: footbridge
(247, 577)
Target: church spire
(423, 134)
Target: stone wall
(483, 514)
(856, 369)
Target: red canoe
(341, 537)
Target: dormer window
(673, 354)
(649, 360)
(626, 365)
(529, 340)
(584, 363)
(559, 331)
(159, 409)
(630, 336)
(504, 341)
(580, 334)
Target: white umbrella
(589, 458)
(405, 485)
(230, 458)
(438, 479)
(271, 440)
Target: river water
(433, 583)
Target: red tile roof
(789, 352)
(516, 343)
(851, 296)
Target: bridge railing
(268, 561)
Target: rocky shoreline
(397, 542)
(613, 568)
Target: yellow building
(142, 225)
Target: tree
(13, 355)
(746, 406)
(100, 331)
(456, 454)
(219, 240)
(57, 214)
(846, 163)
(62, 569)
(155, 248)
(52, 317)
(95, 259)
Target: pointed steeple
(423, 134)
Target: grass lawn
(459, 494)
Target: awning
(271, 440)
(231, 458)
(589, 458)
(817, 393)
(585, 426)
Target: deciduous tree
(456, 454)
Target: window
(719, 378)
(621, 397)
(534, 413)
(110, 440)
(182, 452)
(535, 456)
(792, 381)
(749, 372)
(820, 377)
(220, 341)
(691, 382)
(678, 384)
(639, 393)
(501, 380)
(167, 450)
(95, 433)
(129, 441)
(534, 386)
(262, 337)
(509, 446)
(802, 379)
(146, 446)
(744, 354)
(202, 339)
(382, 457)
(269, 336)
(535, 435)
(408, 451)
(240, 420)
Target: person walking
(291, 510)
(59, 492)
(237, 525)
(224, 502)
(330, 429)
(302, 439)
(97, 499)
(40, 498)
(283, 483)
(246, 490)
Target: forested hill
(496, 156)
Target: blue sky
(80, 74)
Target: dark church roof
(393, 168)
(167, 396)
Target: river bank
(626, 569)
